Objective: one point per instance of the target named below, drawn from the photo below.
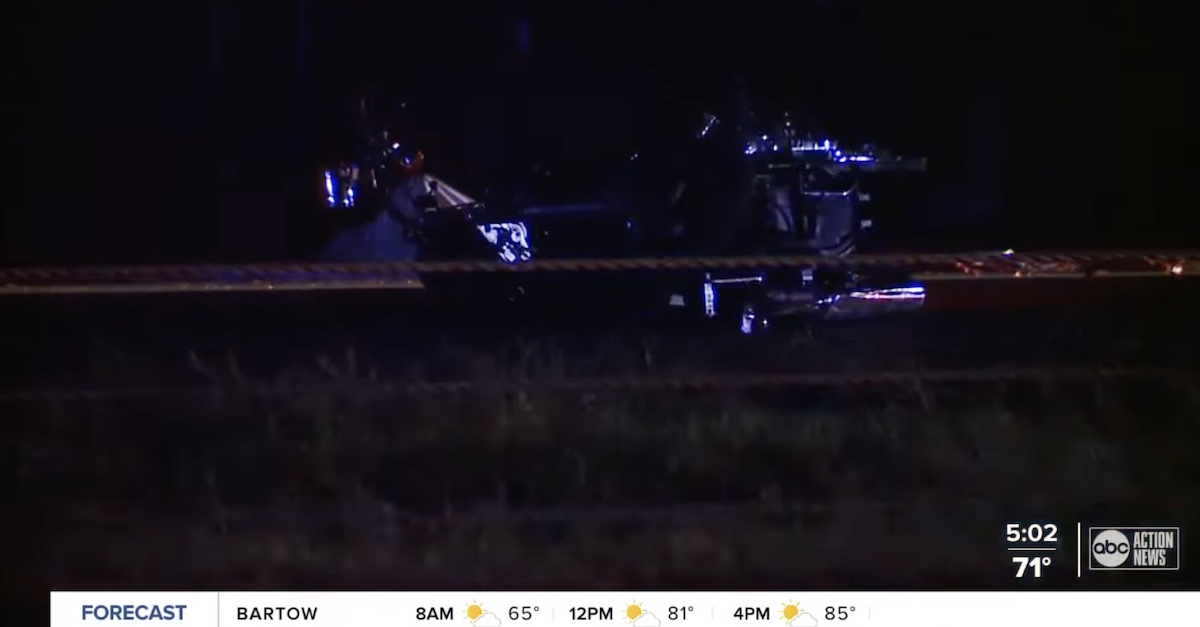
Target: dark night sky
(177, 132)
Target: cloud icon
(647, 620)
(804, 619)
(486, 619)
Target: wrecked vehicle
(730, 185)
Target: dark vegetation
(333, 481)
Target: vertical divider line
(1079, 550)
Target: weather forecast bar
(624, 609)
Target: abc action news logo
(1133, 548)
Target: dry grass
(502, 489)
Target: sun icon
(633, 611)
(791, 610)
(474, 611)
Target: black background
(162, 131)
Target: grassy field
(326, 484)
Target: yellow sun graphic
(474, 611)
(791, 610)
(633, 610)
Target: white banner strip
(626, 609)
